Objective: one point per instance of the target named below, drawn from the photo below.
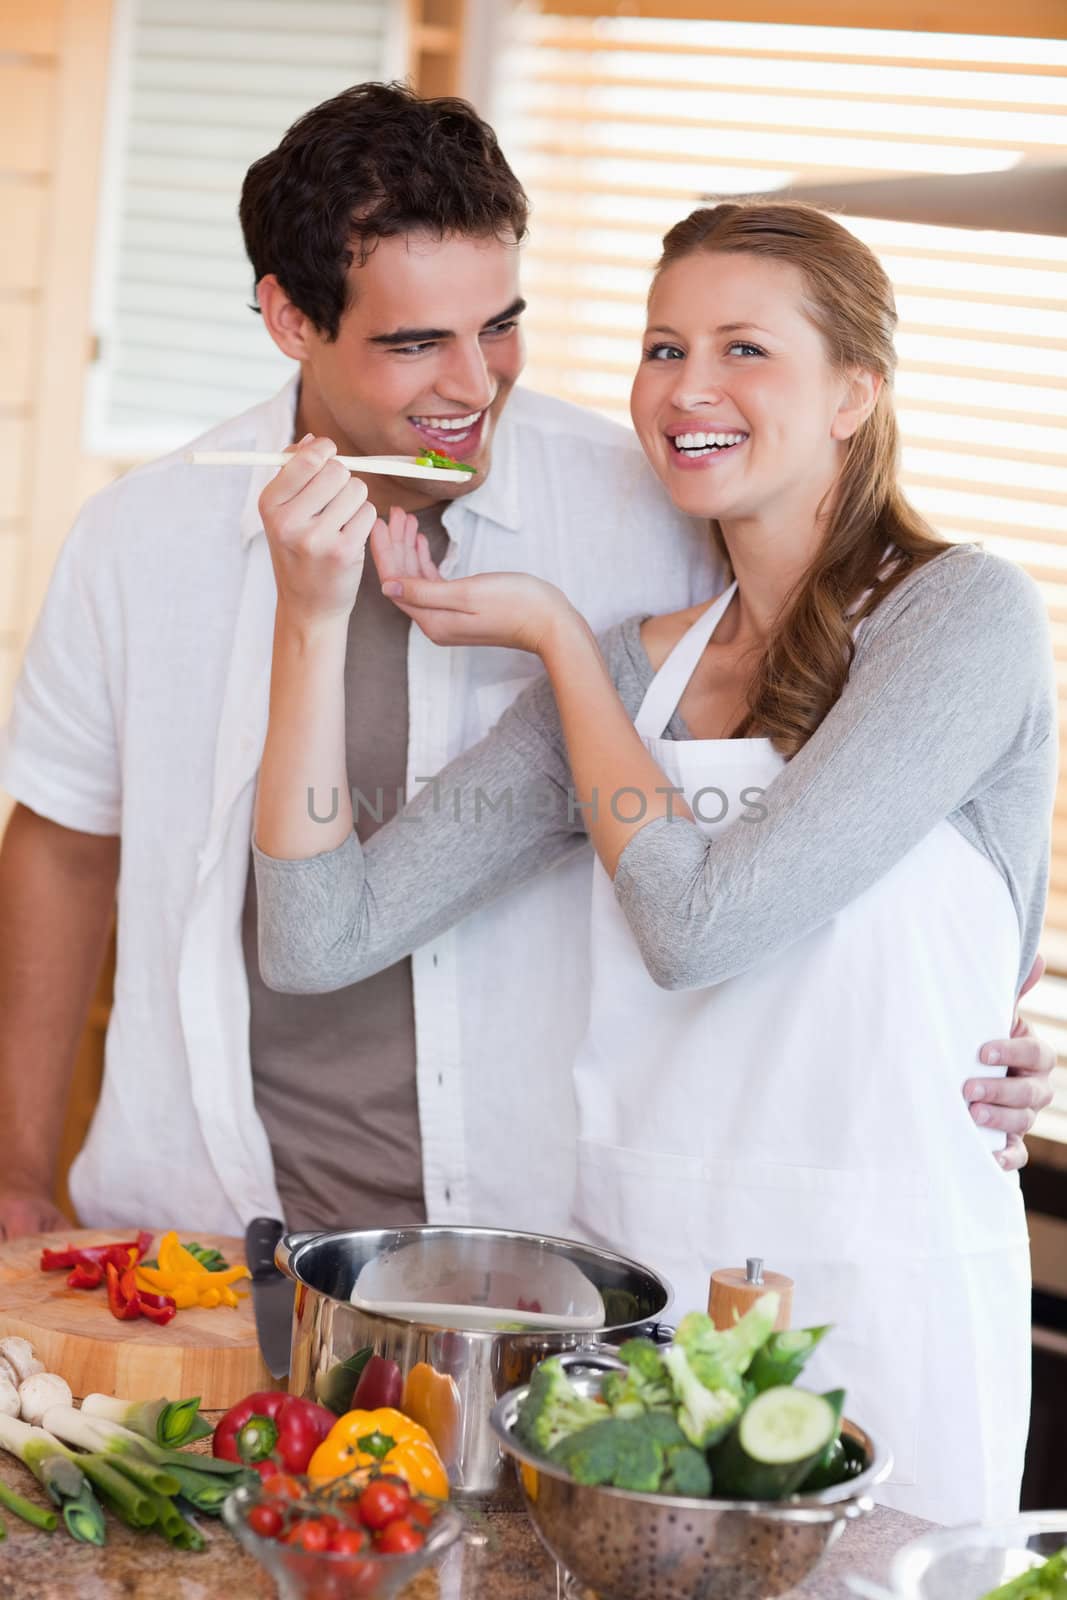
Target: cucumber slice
(778, 1440)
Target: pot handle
(592, 1358)
(287, 1246)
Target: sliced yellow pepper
(187, 1280)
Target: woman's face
(735, 403)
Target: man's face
(426, 356)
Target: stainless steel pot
(467, 1371)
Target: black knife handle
(261, 1236)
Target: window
(619, 126)
(200, 89)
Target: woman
(821, 805)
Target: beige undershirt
(334, 1074)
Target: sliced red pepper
(126, 1301)
(86, 1275)
(58, 1260)
(158, 1308)
(97, 1254)
(120, 1305)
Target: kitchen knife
(272, 1294)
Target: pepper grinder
(734, 1289)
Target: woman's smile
(694, 449)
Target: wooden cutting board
(214, 1353)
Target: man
(383, 234)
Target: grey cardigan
(949, 712)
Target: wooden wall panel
(1033, 19)
(435, 42)
(11, 553)
(27, 113)
(53, 75)
(66, 284)
(18, 327)
(22, 256)
(31, 27)
(14, 456)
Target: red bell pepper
(272, 1432)
(381, 1383)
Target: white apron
(810, 1111)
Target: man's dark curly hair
(373, 162)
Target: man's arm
(1012, 1103)
(57, 893)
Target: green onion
(40, 1518)
(171, 1423)
(170, 1522)
(59, 1475)
(204, 1490)
(145, 1474)
(133, 1505)
(121, 1440)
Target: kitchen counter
(501, 1560)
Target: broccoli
(553, 1408)
(720, 1357)
(622, 1452)
(644, 1386)
(704, 1415)
(617, 1451)
(688, 1473)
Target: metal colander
(624, 1546)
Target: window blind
(201, 89)
(618, 126)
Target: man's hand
(1012, 1103)
(317, 519)
(512, 609)
(22, 1213)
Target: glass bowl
(966, 1563)
(329, 1575)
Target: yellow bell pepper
(187, 1280)
(385, 1439)
(432, 1399)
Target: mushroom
(20, 1357)
(10, 1405)
(39, 1393)
(7, 1371)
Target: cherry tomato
(400, 1538)
(311, 1533)
(349, 1541)
(282, 1487)
(266, 1520)
(422, 1513)
(383, 1501)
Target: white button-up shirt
(141, 711)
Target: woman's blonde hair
(874, 538)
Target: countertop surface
(501, 1559)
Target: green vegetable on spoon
(434, 458)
